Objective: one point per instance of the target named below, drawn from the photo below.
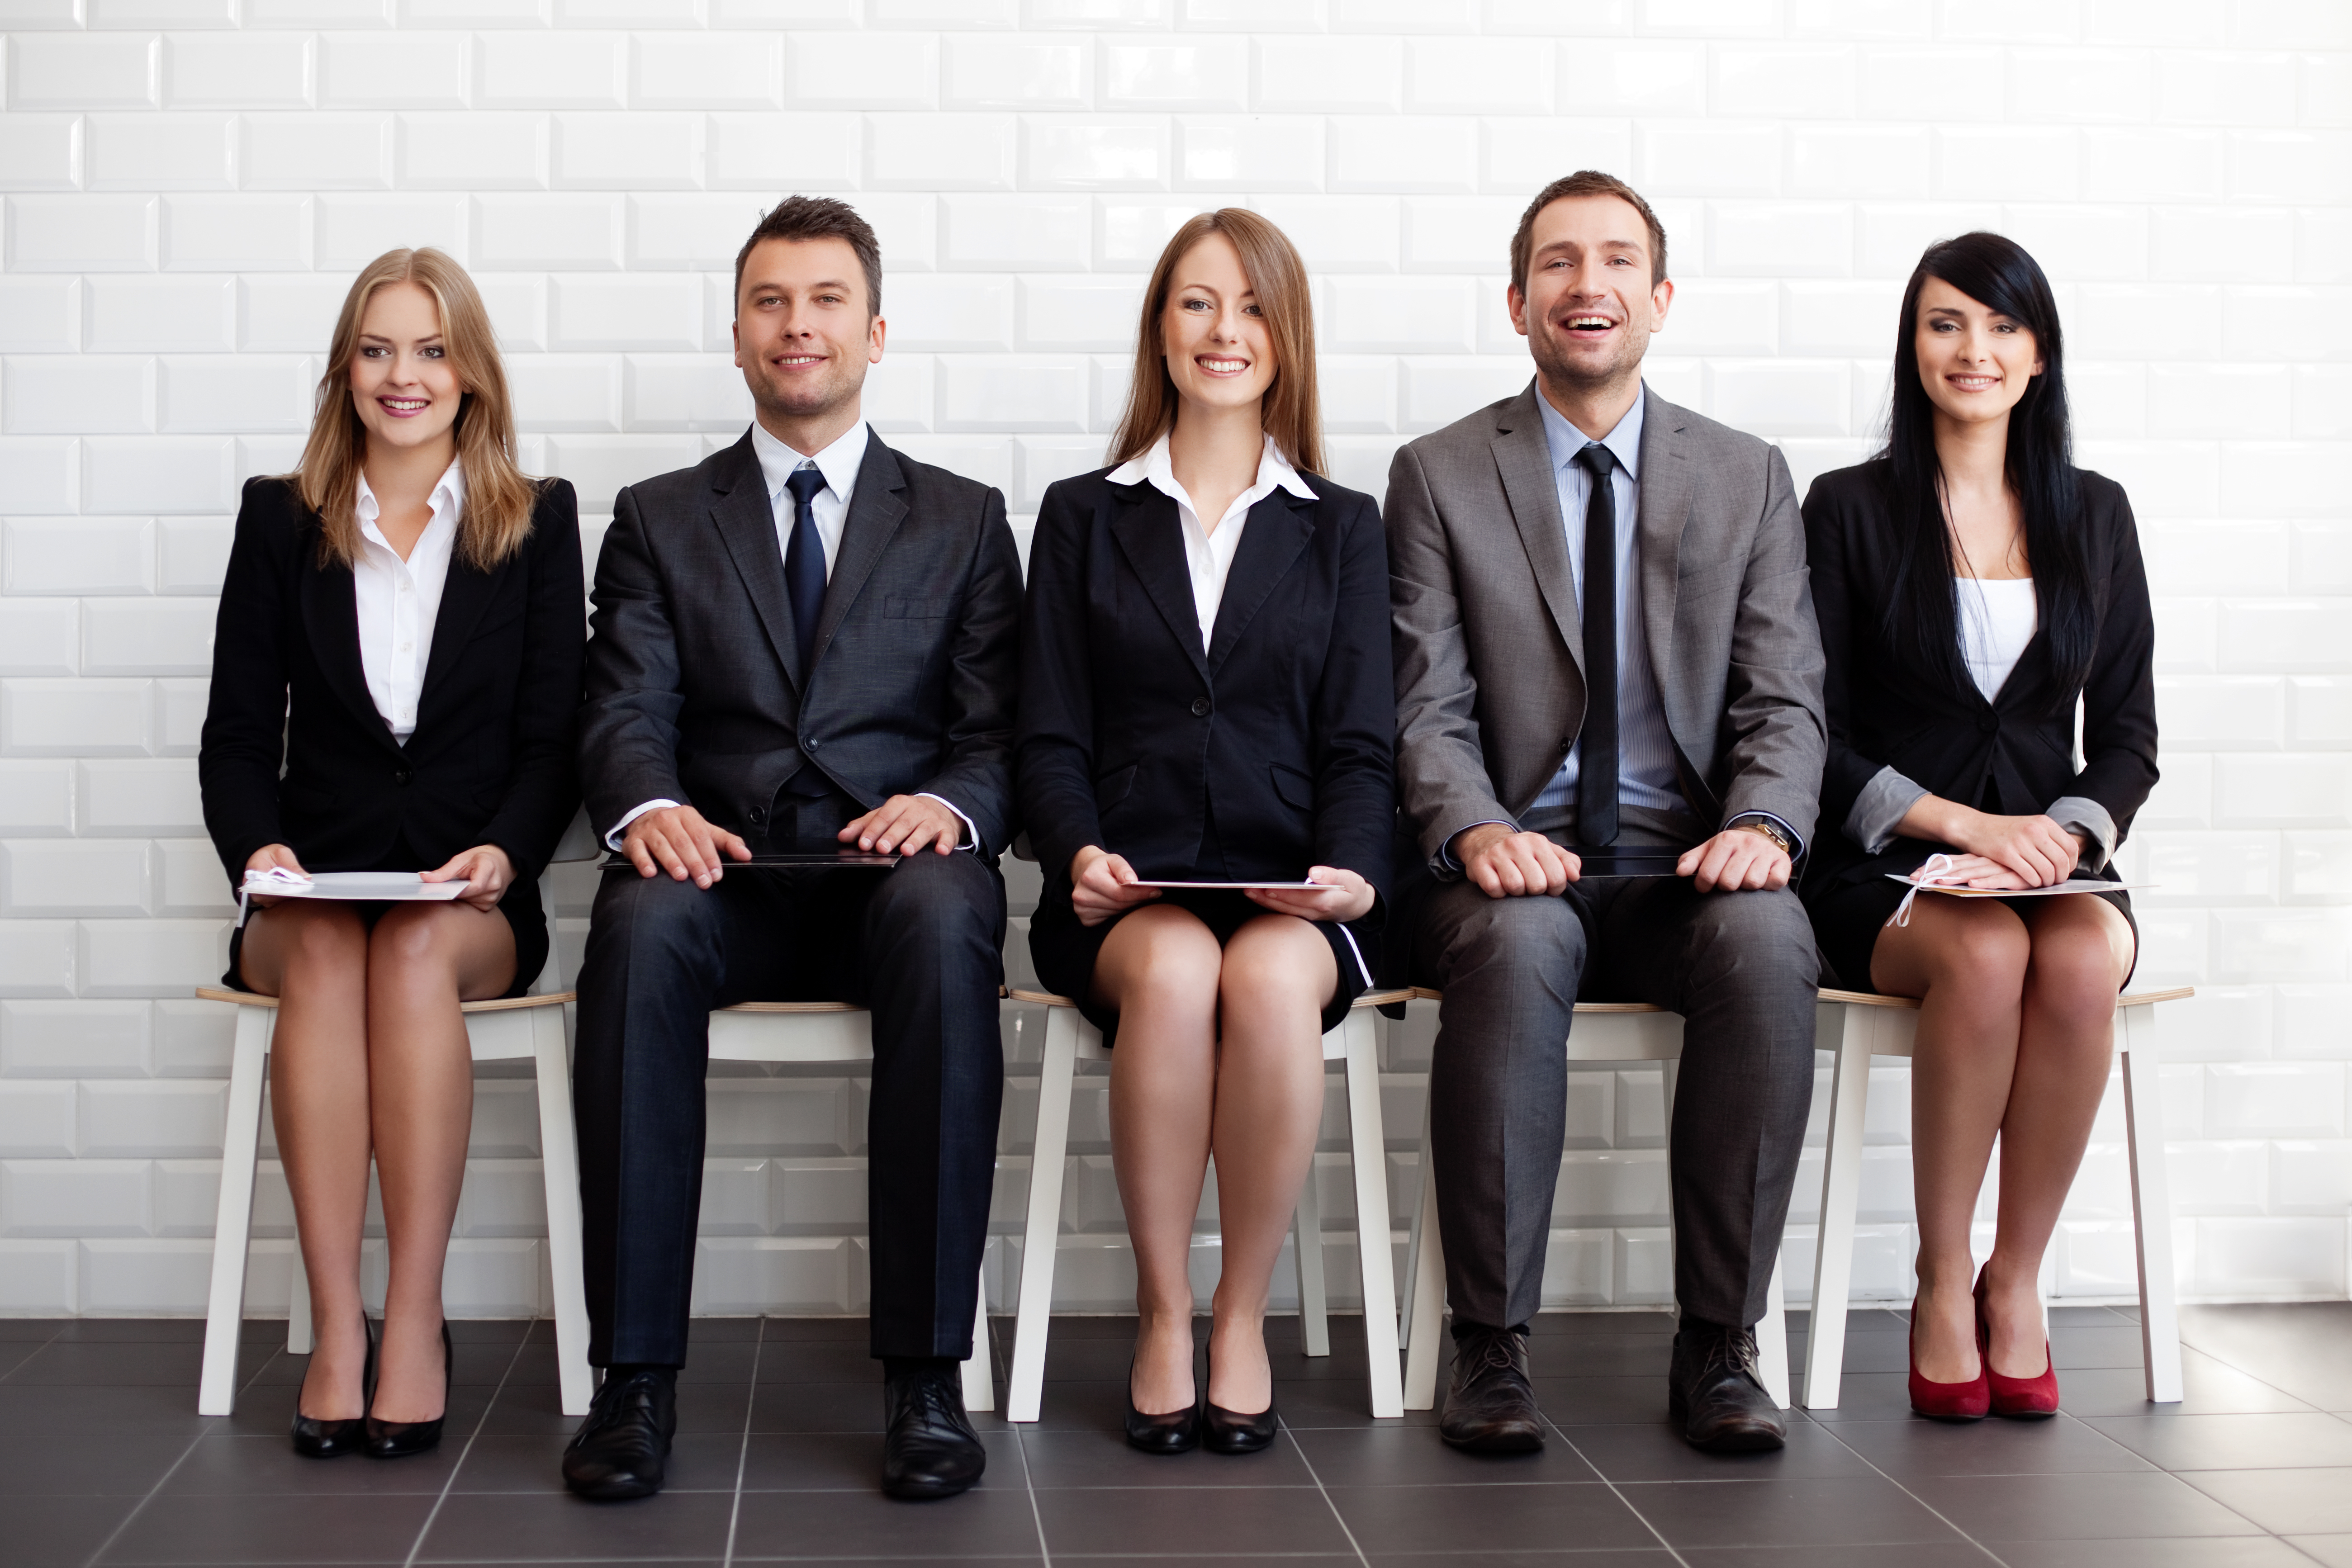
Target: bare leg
(313, 958)
(1966, 962)
(2082, 951)
(1159, 967)
(422, 959)
(1277, 975)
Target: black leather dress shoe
(1715, 1394)
(929, 1449)
(1171, 1432)
(620, 1450)
(399, 1439)
(1225, 1431)
(1491, 1407)
(319, 1439)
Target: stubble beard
(1557, 370)
(834, 393)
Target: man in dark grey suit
(807, 642)
(1609, 744)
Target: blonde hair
(498, 494)
(1291, 413)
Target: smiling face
(1975, 363)
(1588, 306)
(403, 386)
(1213, 331)
(805, 331)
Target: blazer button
(758, 815)
(1990, 723)
(809, 742)
(1199, 707)
(401, 775)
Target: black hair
(1921, 616)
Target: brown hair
(1290, 412)
(1585, 182)
(819, 217)
(498, 494)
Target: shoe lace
(1734, 1353)
(1488, 1355)
(930, 1397)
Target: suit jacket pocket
(901, 610)
(1295, 787)
(1114, 786)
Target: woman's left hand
(1344, 895)
(1980, 871)
(486, 870)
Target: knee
(2074, 975)
(1985, 959)
(938, 895)
(1533, 935)
(658, 909)
(1760, 938)
(326, 939)
(1272, 968)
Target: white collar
(447, 499)
(838, 463)
(1155, 469)
(1624, 442)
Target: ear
(1515, 299)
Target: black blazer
(694, 690)
(2013, 754)
(490, 759)
(1283, 730)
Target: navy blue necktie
(1596, 773)
(804, 564)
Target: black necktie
(804, 564)
(1596, 774)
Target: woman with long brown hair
(1206, 698)
(395, 676)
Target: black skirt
(1064, 949)
(1848, 919)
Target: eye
(435, 351)
(1252, 311)
(371, 352)
(1196, 304)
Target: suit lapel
(1149, 533)
(330, 617)
(876, 506)
(466, 593)
(1523, 460)
(746, 520)
(1279, 526)
(1665, 510)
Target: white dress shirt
(1209, 553)
(1997, 620)
(398, 601)
(839, 464)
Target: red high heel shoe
(1968, 1401)
(2022, 1398)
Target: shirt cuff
(1796, 839)
(620, 828)
(1446, 851)
(971, 834)
(2098, 826)
(1879, 810)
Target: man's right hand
(676, 839)
(1508, 864)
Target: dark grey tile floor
(104, 1460)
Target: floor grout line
(744, 1450)
(160, 1481)
(1614, 1489)
(442, 1498)
(1300, 1448)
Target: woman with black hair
(1977, 591)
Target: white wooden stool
(1604, 1032)
(1070, 1039)
(1854, 1027)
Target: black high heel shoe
(1225, 1431)
(400, 1439)
(318, 1440)
(1176, 1432)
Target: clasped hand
(2006, 852)
(1505, 864)
(1103, 885)
(681, 841)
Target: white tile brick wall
(185, 192)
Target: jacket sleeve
(543, 789)
(1442, 778)
(1355, 787)
(628, 723)
(1055, 747)
(1773, 730)
(983, 663)
(243, 744)
(2119, 699)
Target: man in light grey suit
(1609, 744)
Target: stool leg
(1840, 1193)
(233, 1224)
(559, 1163)
(298, 1310)
(1307, 1250)
(1040, 1233)
(979, 1372)
(1428, 1286)
(1368, 1150)
(2159, 1320)
(1772, 1339)
(1669, 1075)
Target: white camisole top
(1997, 620)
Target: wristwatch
(1758, 825)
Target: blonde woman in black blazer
(1206, 696)
(1973, 588)
(400, 637)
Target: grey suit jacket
(694, 690)
(1490, 653)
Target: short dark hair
(819, 217)
(1585, 182)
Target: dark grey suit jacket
(694, 690)
(1489, 648)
